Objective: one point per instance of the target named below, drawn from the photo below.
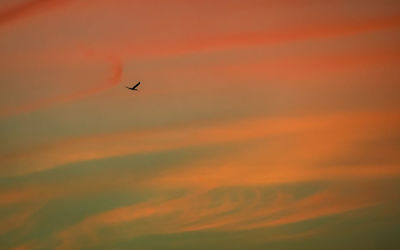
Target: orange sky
(258, 124)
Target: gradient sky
(259, 124)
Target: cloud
(153, 140)
(283, 150)
(127, 48)
(195, 211)
(27, 8)
(286, 151)
(277, 35)
(18, 217)
(113, 80)
(261, 172)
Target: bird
(134, 87)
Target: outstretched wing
(137, 84)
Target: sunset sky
(258, 124)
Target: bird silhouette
(134, 87)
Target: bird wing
(136, 85)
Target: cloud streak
(96, 147)
(263, 124)
(27, 8)
(113, 80)
(193, 212)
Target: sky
(258, 124)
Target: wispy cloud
(259, 122)
(89, 148)
(113, 80)
(194, 212)
(27, 8)
(275, 163)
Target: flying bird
(134, 87)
